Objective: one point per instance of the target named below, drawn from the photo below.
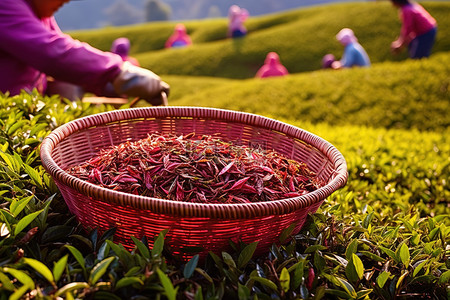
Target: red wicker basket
(191, 225)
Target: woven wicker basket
(191, 225)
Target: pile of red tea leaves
(202, 170)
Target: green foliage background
(385, 235)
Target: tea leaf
(285, 280)
(266, 282)
(6, 282)
(171, 292)
(59, 267)
(297, 278)
(34, 175)
(228, 259)
(78, 256)
(286, 233)
(243, 292)
(382, 278)
(400, 280)
(17, 206)
(363, 293)
(445, 277)
(351, 249)
(142, 248)
(40, 268)
(372, 256)
(389, 252)
(20, 276)
(25, 221)
(126, 281)
(190, 266)
(71, 287)
(158, 246)
(419, 267)
(246, 254)
(402, 254)
(100, 269)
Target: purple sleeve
(41, 45)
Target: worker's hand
(134, 81)
(396, 46)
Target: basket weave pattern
(191, 225)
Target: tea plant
(384, 236)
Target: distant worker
(272, 67)
(179, 38)
(33, 49)
(236, 18)
(121, 46)
(418, 30)
(354, 54)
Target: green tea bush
(301, 37)
(410, 94)
(383, 236)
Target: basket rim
(186, 209)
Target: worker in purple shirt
(354, 54)
(418, 31)
(33, 49)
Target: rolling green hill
(218, 72)
(301, 37)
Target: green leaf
(171, 292)
(363, 293)
(20, 276)
(228, 259)
(71, 287)
(351, 249)
(78, 256)
(25, 221)
(358, 265)
(126, 281)
(389, 252)
(158, 246)
(285, 280)
(314, 248)
(6, 282)
(246, 254)
(40, 268)
(347, 287)
(243, 292)
(382, 278)
(266, 282)
(190, 266)
(59, 267)
(419, 267)
(34, 175)
(16, 126)
(297, 279)
(372, 256)
(403, 255)
(17, 206)
(400, 280)
(445, 277)
(286, 233)
(143, 249)
(100, 269)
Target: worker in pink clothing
(33, 48)
(272, 67)
(236, 18)
(121, 46)
(179, 38)
(418, 29)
